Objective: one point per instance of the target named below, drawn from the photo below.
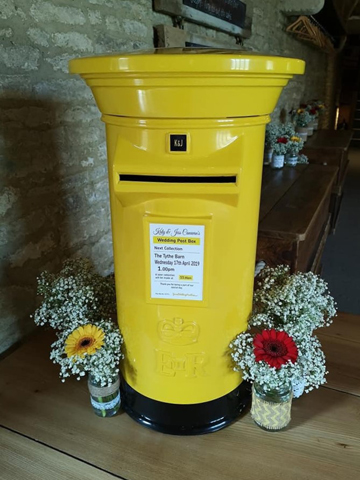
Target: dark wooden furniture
(330, 147)
(294, 216)
(48, 430)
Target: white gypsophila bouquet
(74, 296)
(271, 134)
(264, 368)
(280, 146)
(286, 130)
(302, 117)
(303, 159)
(272, 358)
(295, 144)
(311, 362)
(77, 303)
(298, 303)
(94, 349)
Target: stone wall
(54, 194)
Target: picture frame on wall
(229, 16)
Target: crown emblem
(178, 332)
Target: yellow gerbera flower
(295, 139)
(86, 339)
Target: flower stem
(103, 411)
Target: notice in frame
(177, 261)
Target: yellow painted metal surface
(185, 136)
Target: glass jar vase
(291, 160)
(268, 153)
(302, 132)
(277, 161)
(104, 400)
(271, 408)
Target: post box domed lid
(186, 82)
(195, 60)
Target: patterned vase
(291, 160)
(104, 400)
(310, 130)
(271, 408)
(302, 132)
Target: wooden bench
(331, 147)
(294, 216)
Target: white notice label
(177, 261)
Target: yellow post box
(185, 138)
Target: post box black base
(194, 419)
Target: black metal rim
(193, 419)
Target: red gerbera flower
(275, 348)
(282, 140)
(313, 111)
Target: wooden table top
(48, 430)
(291, 197)
(330, 139)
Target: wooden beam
(167, 36)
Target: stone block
(134, 28)
(79, 114)
(98, 192)
(44, 12)
(6, 32)
(101, 254)
(33, 251)
(60, 62)
(19, 57)
(89, 162)
(8, 198)
(38, 36)
(7, 9)
(15, 87)
(305, 7)
(107, 3)
(112, 23)
(81, 229)
(72, 89)
(74, 40)
(14, 230)
(94, 17)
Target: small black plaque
(178, 143)
(231, 11)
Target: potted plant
(280, 352)
(286, 130)
(271, 134)
(313, 112)
(302, 159)
(78, 304)
(302, 120)
(279, 152)
(295, 144)
(320, 108)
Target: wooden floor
(48, 430)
